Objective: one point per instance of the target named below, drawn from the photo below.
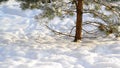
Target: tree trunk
(79, 10)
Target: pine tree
(54, 8)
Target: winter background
(25, 43)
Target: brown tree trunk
(79, 8)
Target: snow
(24, 43)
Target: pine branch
(113, 9)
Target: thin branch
(76, 4)
(100, 15)
(57, 32)
(72, 29)
(92, 23)
(68, 10)
(114, 10)
(89, 32)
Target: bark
(79, 8)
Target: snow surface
(26, 44)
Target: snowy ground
(26, 44)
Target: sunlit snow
(24, 43)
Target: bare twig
(89, 32)
(57, 32)
(72, 29)
(96, 24)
